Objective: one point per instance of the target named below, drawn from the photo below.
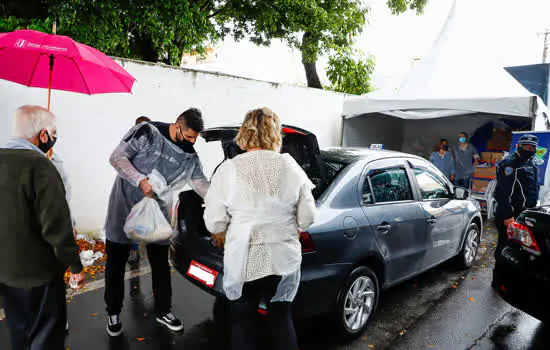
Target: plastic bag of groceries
(147, 224)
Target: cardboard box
(480, 186)
(499, 144)
(491, 157)
(488, 173)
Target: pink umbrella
(37, 59)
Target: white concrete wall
(90, 127)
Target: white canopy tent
(454, 88)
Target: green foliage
(350, 72)
(329, 24)
(163, 30)
(400, 6)
(142, 29)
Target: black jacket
(517, 186)
(36, 231)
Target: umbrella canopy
(58, 62)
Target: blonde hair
(261, 128)
(30, 120)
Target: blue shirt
(444, 163)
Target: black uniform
(517, 189)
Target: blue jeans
(465, 182)
(36, 317)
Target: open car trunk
(194, 245)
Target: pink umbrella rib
(34, 69)
(106, 60)
(82, 76)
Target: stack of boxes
(483, 175)
(486, 172)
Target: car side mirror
(461, 193)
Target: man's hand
(146, 188)
(508, 221)
(76, 281)
(452, 178)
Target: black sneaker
(114, 326)
(170, 321)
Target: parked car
(383, 217)
(522, 270)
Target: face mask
(445, 147)
(526, 154)
(45, 147)
(462, 139)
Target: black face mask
(445, 147)
(526, 154)
(46, 146)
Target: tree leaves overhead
(350, 72)
(163, 30)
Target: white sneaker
(114, 326)
(170, 321)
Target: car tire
(470, 248)
(357, 302)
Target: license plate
(203, 274)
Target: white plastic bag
(147, 224)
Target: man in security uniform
(517, 186)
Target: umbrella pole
(52, 60)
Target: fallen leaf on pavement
(454, 286)
(371, 346)
(403, 332)
(471, 299)
(93, 315)
(140, 339)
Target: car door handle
(432, 221)
(384, 228)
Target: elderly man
(37, 235)
(167, 149)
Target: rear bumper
(319, 285)
(522, 283)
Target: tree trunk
(312, 77)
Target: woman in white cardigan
(258, 202)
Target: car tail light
(307, 242)
(292, 131)
(522, 234)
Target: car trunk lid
(301, 144)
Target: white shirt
(261, 199)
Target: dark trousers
(465, 182)
(36, 317)
(244, 318)
(117, 257)
(502, 236)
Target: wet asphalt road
(424, 313)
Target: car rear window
(331, 171)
